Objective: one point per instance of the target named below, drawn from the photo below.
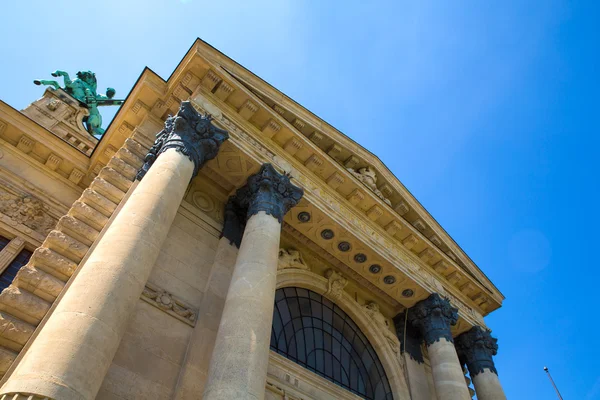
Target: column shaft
(195, 369)
(72, 353)
(487, 386)
(448, 378)
(238, 368)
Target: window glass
(320, 336)
(11, 271)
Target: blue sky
(486, 111)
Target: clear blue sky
(487, 111)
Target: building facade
(222, 242)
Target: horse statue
(84, 90)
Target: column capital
(433, 318)
(476, 348)
(269, 191)
(234, 221)
(191, 134)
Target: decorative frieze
(168, 303)
(26, 210)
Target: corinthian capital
(476, 348)
(269, 191)
(190, 133)
(433, 318)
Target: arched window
(315, 333)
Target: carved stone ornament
(410, 338)
(372, 310)
(235, 222)
(27, 210)
(433, 318)
(369, 177)
(165, 301)
(291, 259)
(191, 134)
(269, 191)
(476, 348)
(335, 285)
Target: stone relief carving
(336, 284)
(165, 301)
(291, 259)
(369, 177)
(372, 310)
(27, 210)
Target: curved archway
(391, 362)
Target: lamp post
(553, 384)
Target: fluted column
(195, 368)
(238, 367)
(433, 318)
(73, 351)
(476, 348)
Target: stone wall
(153, 351)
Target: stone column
(10, 251)
(476, 348)
(195, 368)
(238, 367)
(73, 351)
(433, 318)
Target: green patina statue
(84, 90)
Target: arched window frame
(391, 361)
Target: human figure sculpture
(84, 90)
(372, 310)
(368, 176)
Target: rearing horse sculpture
(84, 90)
